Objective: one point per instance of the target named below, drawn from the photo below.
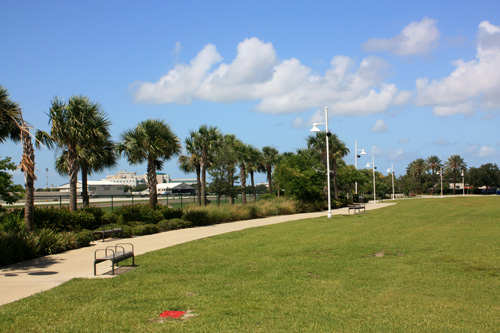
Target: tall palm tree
(255, 157)
(434, 163)
(243, 153)
(269, 160)
(338, 151)
(206, 142)
(192, 163)
(232, 147)
(90, 159)
(454, 164)
(417, 168)
(13, 126)
(151, 141)
(76, 126)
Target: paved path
(29, 277)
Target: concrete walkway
(29, 277)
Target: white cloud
(441, 142)
(380, 127)
(474, 84)
(482, 151)
(404, 140)
(415, 38)
(280, 86)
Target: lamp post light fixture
(356, 156)
(440, 173)
(391, 170)
(373, 169)
(328, 134)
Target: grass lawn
(423, 265)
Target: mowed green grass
(424, 265)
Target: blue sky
(404, 80)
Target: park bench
(115, 254)
(107, 230)
(357, 207)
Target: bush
(170, 213)
(11, 220)
(139, 213)
(57, 219)
(145, 229)
(197, 217)
(83, 238)
(267, 197)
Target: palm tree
(338, 151)
(151, 141)
(206, 142)
(76, 127)
(90, 159)
(232, 148)
(192, 163)
(13, 126)
(9, 117)
(417, 168)
(434, 163)
(243, 153)
(269, 160)
(255, 157)
(454, 164)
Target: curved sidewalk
(24, 279)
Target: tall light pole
(463, 182)
(391, 170)
(356, 156)
(440, 173)
(373, 169)
(328, 134)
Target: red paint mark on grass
(172, 314)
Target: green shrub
(197, 217)
(83, 238)
(12, 220)
(17, 246)
(145, 229)
(85, 219)
(173, 224)
(169, 213)
(57, 219)
(139, 213)
(267, 196)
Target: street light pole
(441, 174)
(391, 170)
(316, 129)
(463, 182)
(356, 156)
(373, 169)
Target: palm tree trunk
(454, 181)
(243, 180)
(198, 184)
(269, 177)
(28, 167)
(85, 192)
(254, 192)
(204, 185)
(73, 177)
(230, 176)
(152, 181)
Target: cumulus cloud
(482, 151)
(441, 142)
(474, 84)
(380, 127)
(404, 140)
(279, 86)
(415, 38)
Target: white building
(132, 179)
(175, 188)
(96, 187)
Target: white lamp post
(316, 129)
(373, 169)
(391, 170)
(463, 182)
(356, 156)
(440, 173)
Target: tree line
(80, 133)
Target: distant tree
(191, 162)
(434, 164)
(486, 175)
(300, 177)
(253, 166)
(455, 164)
(416, 169)
(269, 160)
(222, 171)
(151, 141)
(9, 192)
